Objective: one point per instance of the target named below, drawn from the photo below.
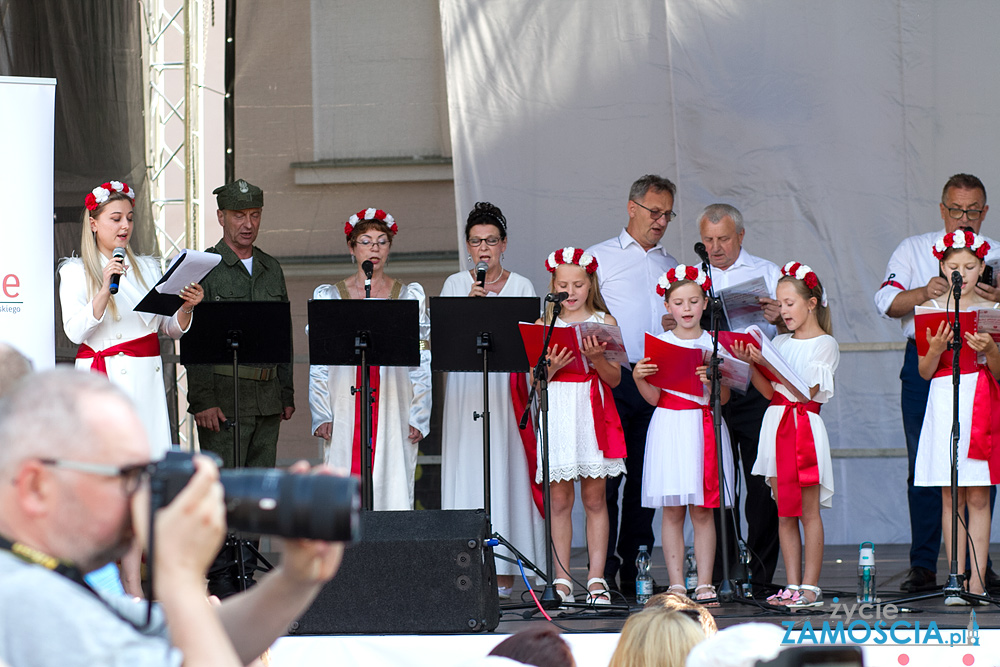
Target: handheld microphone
(481, 273)
(556, 297)
(368, 267)
(116, 278)
(956, 284)
(700, 250)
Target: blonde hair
(683, 603)
(595, 302)
(656, 637)
(822, 312)
(91, 256)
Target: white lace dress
(573, 449)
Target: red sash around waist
(795, 453)
(519, 400)
(710, 463)
(147, 346)
(984, 437)
(607, 423)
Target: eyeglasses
(656, 215)
(367, 242)
(131, 475)
(490, 241)
(971, 214)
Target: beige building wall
(341, 105)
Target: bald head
(13, 367)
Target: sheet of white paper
(741, 305)
(773, 357)
(191, 267)
(605, 333)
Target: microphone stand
(726, 591)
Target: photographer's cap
(239, 195)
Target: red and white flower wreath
(801, 272)
(571, 255)
(682, 272)
(370, 214)
(961, 239)
(102, 192)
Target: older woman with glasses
(402, 410)
(515, 499)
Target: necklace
(499, 276)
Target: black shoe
(919, 579)
(992, 581)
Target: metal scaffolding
(175, 47)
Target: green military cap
(239, 195)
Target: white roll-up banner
(27, 116)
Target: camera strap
(60, 567)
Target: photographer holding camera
(74, 459)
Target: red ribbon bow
(147, 346)
(710, 467)
(795, 452)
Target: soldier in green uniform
(246, 273)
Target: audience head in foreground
(539, 645)
(656, 637)
(738, 646)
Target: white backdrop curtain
(832, 126)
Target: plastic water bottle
(745, 562)
(643, 579)
(866, 573)
(691, 570)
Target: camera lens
(272, 502)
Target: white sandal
(801, 602)
(564, 597)
(600, 596)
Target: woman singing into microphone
(515, 499)
(114, 339)
(402, 412)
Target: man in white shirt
(722, 230)
(628, 267)
(913, 277)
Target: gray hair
(651, 182)
(716, 212)
(46, 415)
(13, 367)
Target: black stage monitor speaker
(421, 571)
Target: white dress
(404, 400)
(815, 360)
(573, 448)
(140, 377)
(673, 472)
(933, 464)
(513, 509)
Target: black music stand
(364, 332)
(232, 332)
(475, 334)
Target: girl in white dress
(114, 339)
(677, 475)
(516, 503)
(586, 441)
(794, 453)
(964, 252)
(402, 413)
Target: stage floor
(839, 580)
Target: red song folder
(675, 366)
(533, 336)
(931, 318)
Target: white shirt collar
(625, 240)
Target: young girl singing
(680, 471)
(961, 251)
(794, 452)
(585, 434)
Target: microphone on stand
(956, 285)
(702, 253)
(556, 297)
(481, 273)
(368, 267)
(116, 278)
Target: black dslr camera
(271, 502)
